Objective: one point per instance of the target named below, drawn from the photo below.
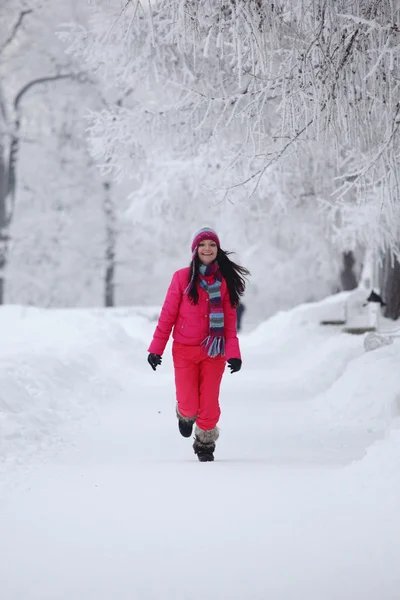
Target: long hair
(233, 274)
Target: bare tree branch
(39, 81)
(15, 29)
(15, 140)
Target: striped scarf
(214, 344)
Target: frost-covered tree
(270, 75)
(227, 89)
(52, 193)
(8, 154)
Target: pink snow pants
(197, 381)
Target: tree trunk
(348, 278)
(4, 190)
(111, 240)
(391, 287)
(3, 230)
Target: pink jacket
(191, 322)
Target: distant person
(201, 308)
(239, 312)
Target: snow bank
(294, 348)
(350, 388)
(56, 365)
(367, 394)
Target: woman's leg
(187, 376)
(211, 371)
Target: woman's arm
(167, 319)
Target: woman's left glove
(235, 364)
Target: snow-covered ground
(100, 498)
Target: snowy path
(128, 513)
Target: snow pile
(294, 349)
(350, 387)
(55, 366)
(368, 392)
(381, 465)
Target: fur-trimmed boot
(204, 443)
(185, 424)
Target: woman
(201, 307)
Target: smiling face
(207, 251)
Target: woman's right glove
(154, 360)
(235, 364)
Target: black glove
(235, 364)
(154, 360)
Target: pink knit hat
(206, 233)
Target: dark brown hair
(234, 275)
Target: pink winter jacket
(191, 322)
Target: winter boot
(185, 424)
(204, 443)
